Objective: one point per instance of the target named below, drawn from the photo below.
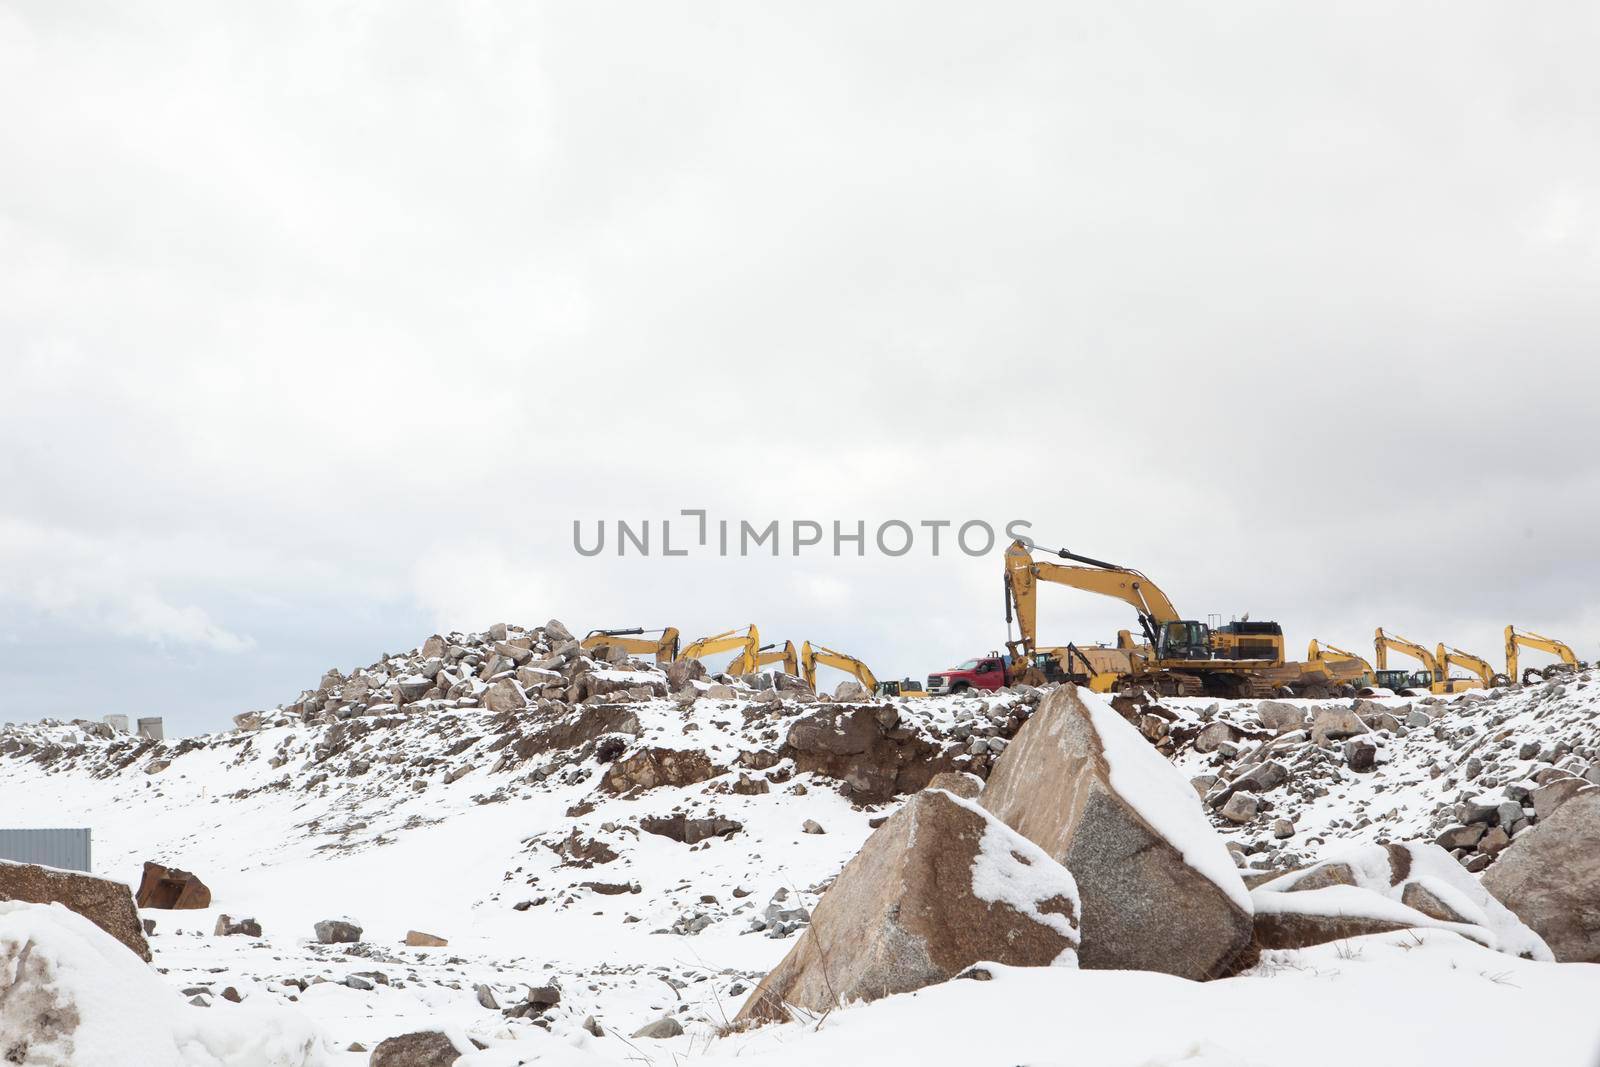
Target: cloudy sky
(321, 323)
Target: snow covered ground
(537, 874)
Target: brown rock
(228, 926)
(1550, 877)
(418, 939)
(1278, 930)
(865, 747)
(1417, 895)
(650, 767)
(1335, 724)
(426, 1048)
(1279, 716)
(1547, 798)
(930, 893)
(504, 695)
(964, 785)
(103, 902)
(168, 887)
(1145, 907)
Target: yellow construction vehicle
(1181, 657)
(663, 648)
(812, 656)
(1341, 668)
(1485, 676)
(905, 687)
(1321, 652)
(746, 642)
(1518, 639)
(1429, 678)
(767, 655)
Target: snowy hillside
(651, 855)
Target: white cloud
(363, 305)
(94, 585)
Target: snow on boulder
(1382, 888)
(940, 886)
(107, 904)
(1160, 891)
(1550, 877)
(72, 996)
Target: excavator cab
(1400, 681)
(1184, 639)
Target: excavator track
(1173, 683)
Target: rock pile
(1105, 854)
(1472, 772)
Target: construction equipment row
(1244, 658)
(751, 656)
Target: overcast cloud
(321, 323)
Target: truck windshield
(969, 665)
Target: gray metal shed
(64, 848)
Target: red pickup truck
(986, 672)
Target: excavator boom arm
(1023, 574)
(811, 656)
(1383, 643)
(1453, 657)
(1517, 639)
(1319, 651)
(664, 648)
(748, 643)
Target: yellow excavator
(1180, 657)
(767, 655)
(1516, 640)
(747, 642)
(813, 656)
(1341, 668)
(1428, 678)
(664, 648)
(1484, 676)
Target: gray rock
(1261, 777)
(1281, 717)
(1360, 754)
(1213, 735)
(486, 997)
(1550, 877)
(660, 1029)
(1547, 798)
(1144, 906)
(1241, 808)
(1460, 836)
(1335, 724)
(337, 932)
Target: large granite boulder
(1160, 891)
(942, 885)
(1550, 876)
(107, 904)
